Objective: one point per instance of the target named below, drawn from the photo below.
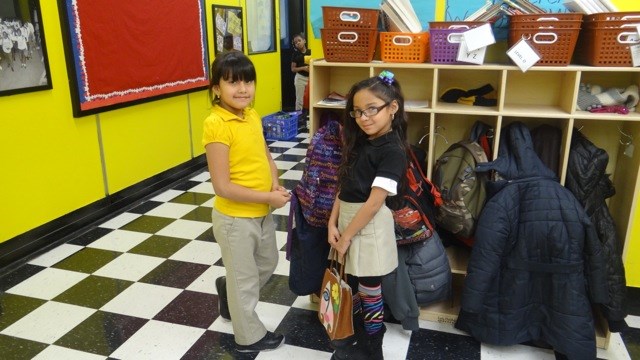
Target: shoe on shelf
(270, 341)
(223, 302)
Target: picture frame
(261, 26)
(24, 63)
(227, 28)
(115, 59)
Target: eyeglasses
(369, 112)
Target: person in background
(227, 42)
(361, 226)
(300, 67)
(245, 181)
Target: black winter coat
(536, 264)
(588, 181)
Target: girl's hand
(279, 198)
(278, 187)
(334, 235)
(341, 246)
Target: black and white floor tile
(141, 286)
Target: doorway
(293, 18)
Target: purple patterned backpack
(317, 189)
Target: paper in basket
(336, 305)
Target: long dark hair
(230, 66)
(353, 137)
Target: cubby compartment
(540, 93)
(618, 83)
(619, 139)
(418, 129)
(562, 126)
(416, 85)
(467, 79)
(451, 128)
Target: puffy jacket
(588, 181)
(537, 264)
(423, 277)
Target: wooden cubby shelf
(542, 95)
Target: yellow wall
(51, 162)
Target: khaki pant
(300, 82)
(250, 256)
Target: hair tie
(386, 76)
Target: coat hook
(443, 137)
(424, 136)
(629, 137)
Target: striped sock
(357, 308)
(372, 307)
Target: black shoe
(270, 341)
(223, 303)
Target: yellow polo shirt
(248, 162)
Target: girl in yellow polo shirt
(245, 181)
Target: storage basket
(404, 47)
(626, 16)
(445, 38)
(280, 125)
(349, 45)
(555, 45)
(606, 37)
(349, 18)
(546, 17)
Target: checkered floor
(141, 286)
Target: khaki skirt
(373, 250)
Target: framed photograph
(228, 28)
(122, 52)
(261, 26)
(24, 65)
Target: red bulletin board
(123, 52)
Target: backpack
(318, 186)
(461, 187)
(413, 219)
(307, 252)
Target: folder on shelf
(609, 6)
(577, 6)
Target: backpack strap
(437, 197)
(475, 149)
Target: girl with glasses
(361, 226)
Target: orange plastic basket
(404, 47)
(555, 45)
(349, 45)
(606, 37)
(546, 17)
(349, 18)
(606, 46)
(627, 16)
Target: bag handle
(333, 261)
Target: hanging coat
(588, 181)
(537, 265)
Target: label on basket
(478, 37)
(474, 57)
(635, 54)
(523, 55)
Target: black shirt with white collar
(382, 157)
